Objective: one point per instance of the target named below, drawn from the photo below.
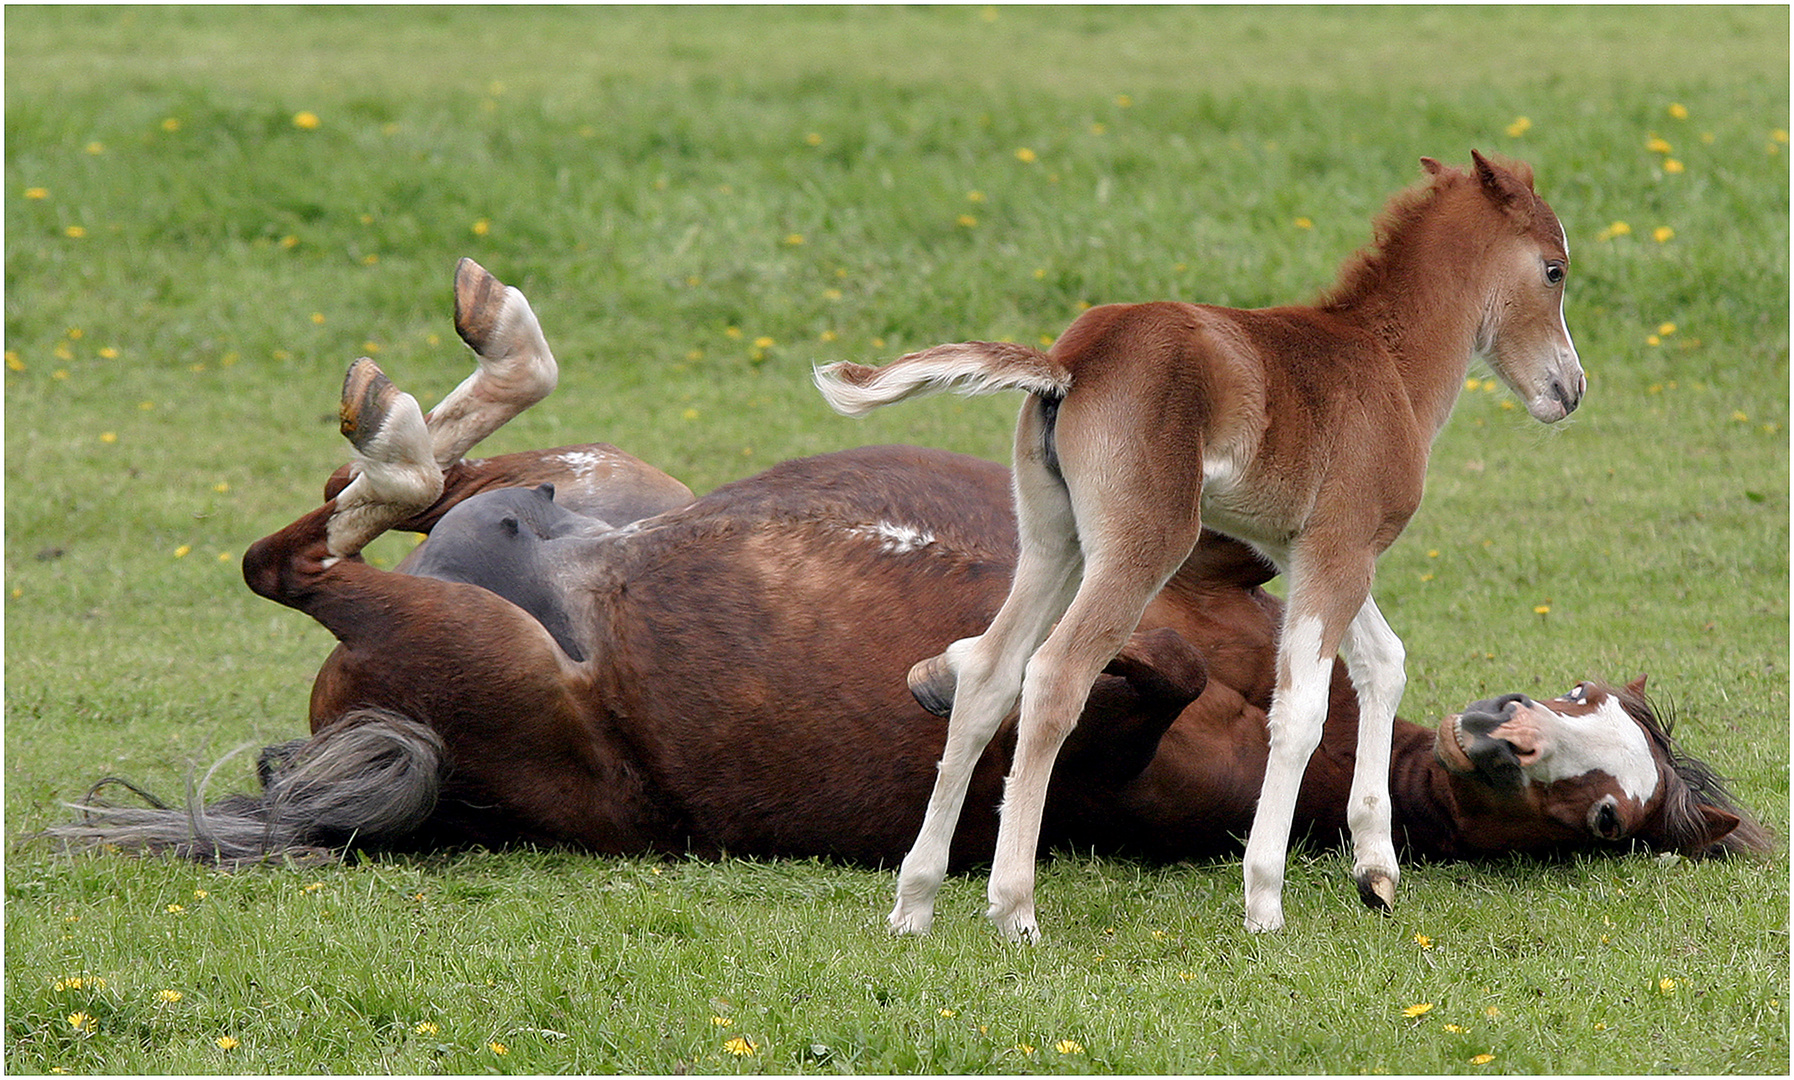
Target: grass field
(210, 211)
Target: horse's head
(1593, 768)
(1521, 331)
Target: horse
(582, 654)
(1303, 431)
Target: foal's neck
(1424, 293)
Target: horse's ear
(1636, 687)
(1720, 824)
(1432, 166)
(1505, 189)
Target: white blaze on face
(1604, 739)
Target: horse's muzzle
(1466, 743)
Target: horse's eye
(1576, 694)
(1554, 272)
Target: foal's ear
(1507, 189)
(1432, 166)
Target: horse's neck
(1425, 812)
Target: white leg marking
(1375, 659)
(516, 370)
(395, 477)
(1298, 710)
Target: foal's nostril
(1565, 397)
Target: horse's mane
(1368, 271)
(1698, 784)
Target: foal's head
(1521, 331)
(1593, 768)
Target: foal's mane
(1696, 784)
(1371, 270)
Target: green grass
(671, 186)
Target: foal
(1303, 431)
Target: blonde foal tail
(972, 367)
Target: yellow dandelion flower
(75, 232)
(1421, 1009)
(1122, 101)
(180, 553)
(169, 997)
(108, 353)
(426, 1027)
(80, 1021)
(312, 886)
(1491, 1011)
(317, 318)
(1026, 156)
(481, 227)
(289, 241)
(1421, 939)
(1519, 127)
(949, 1013)
(108, 436)
(96, 147)
(13, 363)
(498, 1048)
(733, 333)
(227, 1042)
(1672, 166)
(966, 221)
(1455, 1029)
(1666, 329)
(1304, 223)
(1778, 135)
(813, 139)
(1482, 1059)
(1068, 1046)
(1024, 1048)
(1666, 986)
(1099, 129)
(689, 414)
(369, 260)
(1542, 609)
(1663, 234)
(1678, 110)
(37, 193)
(306, 121)
(740, 1046)
(721, 1021)
(764, 343)
(1657, 144)
(1653, 339)
(794, 240)
(171, 125)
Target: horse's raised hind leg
(1322, 602)
(985, 672)
(516, 368)
(395, 475)
(1375, 659)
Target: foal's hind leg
(988, 668)
(1375, 658)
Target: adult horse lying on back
(1302, 431)
(618, 667)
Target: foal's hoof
(932, 682)
(368, 399)
(479, 302)
(1377, 890)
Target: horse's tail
(972, 367)
(368, 779)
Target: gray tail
(369, 779)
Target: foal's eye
(1554, 272)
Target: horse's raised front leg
(395, 475)
(516, 368)
(1323, 599)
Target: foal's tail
(370, 778)
(973, 367)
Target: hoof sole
(932, 682)
(479, 300)
(368, 396)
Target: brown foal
(1303, 431)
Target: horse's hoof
(1377, 890)
(932, 683)
(479, 302)
(368, 398)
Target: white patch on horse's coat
(895, 539)
(583, 463)
(1605, 739)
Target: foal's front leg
(1324, 597)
